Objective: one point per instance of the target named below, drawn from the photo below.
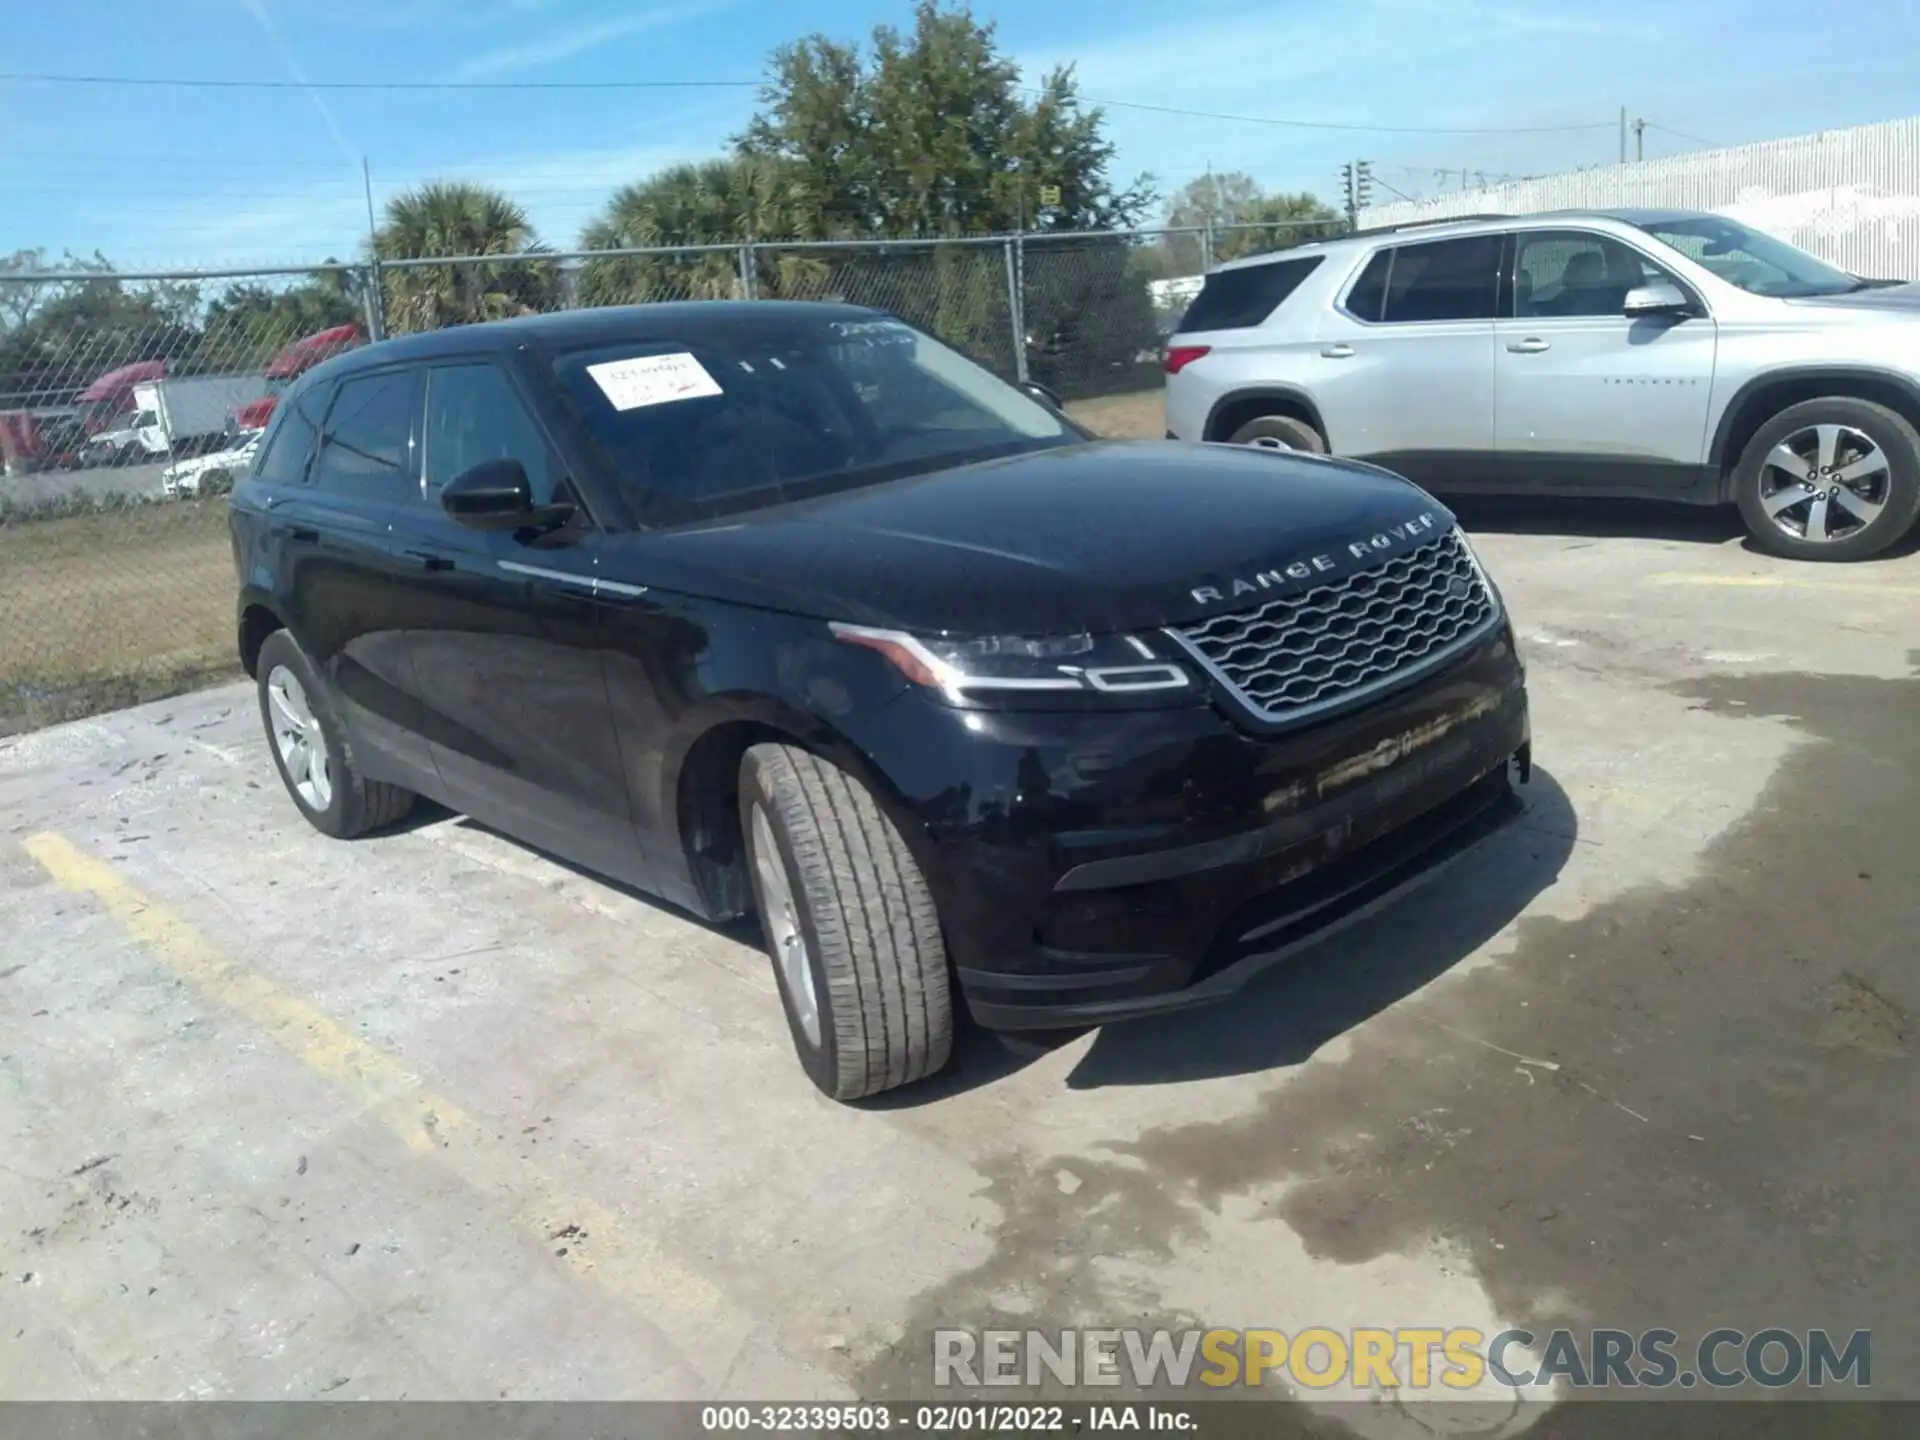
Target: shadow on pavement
(1325, 989)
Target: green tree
(1233, 198)
(717, 202)
(929, 133)
(250, 323)
(453, 218)
(59, 336)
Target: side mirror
(1035, 390)
(495, 495)
(1661, 299)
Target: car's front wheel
(850, 925)
(1280, 432)
(1830, 479)
(303, 732)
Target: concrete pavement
(430, 1115)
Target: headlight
(1480, 568)
(1004, 666)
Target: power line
(1680, 134)
(1349, 129)
(182, 83)
(177, 82)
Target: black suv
(790, 608)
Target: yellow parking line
(595, 1241)
(1785, 582)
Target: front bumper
(1092, 868)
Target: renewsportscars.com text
(1460, 1358)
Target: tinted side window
(1234, 299)
(474, 414)
(366, 445)
(1444, 280)
(287, 454)
(1369, 294)
(1574, 272)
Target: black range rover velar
(791, 609)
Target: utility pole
(1640, 138)
(1623, 134)
(376, 301)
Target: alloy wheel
(1825, 482)
(782, 921)
(298, 738)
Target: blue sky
(188, 177)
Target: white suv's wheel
(1280, 432)
(1830, 479)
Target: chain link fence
(129, 402)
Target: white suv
(1659, 354)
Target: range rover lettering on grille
(1302, 653)
(1314, 565)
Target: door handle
(429, 560)
(1337, 352)
(1532, 345)
(306, 534)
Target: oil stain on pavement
(1722, 1126)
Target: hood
(116, 384)
(1891, 299)
(304, 354)
(1102, 537)
(255, 414)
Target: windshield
(764, 413)
(1750, 259)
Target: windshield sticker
(652, 380)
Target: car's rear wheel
(1280, 432)
(214, 482)
(1830, 479)
(850, 925)
(303, 732)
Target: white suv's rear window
(1235, 299)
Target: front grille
(1306, 653)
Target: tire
(1886, 500)
(347, 804)
(1280, 432)
(861, 935)
(214, 482)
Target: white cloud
(560, 42)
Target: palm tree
(454, 218)
(716, 202)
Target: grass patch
(1140, 416)
(112, 605)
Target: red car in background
(293, 362)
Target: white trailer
(174, 417)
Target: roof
(1441, 227)
(689, 320)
